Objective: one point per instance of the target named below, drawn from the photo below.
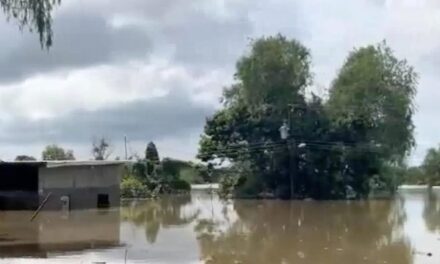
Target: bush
(180, 185)
(131, 187)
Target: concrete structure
(71, 184)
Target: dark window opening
(103, 201)
(18, 186)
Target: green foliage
(25, 158)
(192, 175)
(431, 166)
(34, 14)
(342, 146)
(180, 185)
(426, 174)
(152, 158)
(372, 99)
(168, 176)
(173, 167)
(414, 176)
(132, 187)
(151, 153)
(54, 152)
(275, 72)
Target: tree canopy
(25, 158)
(336, 148)
(372, 96)
(55, 152)
(431, 166)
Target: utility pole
(125, 146)
(291, 148)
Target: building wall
(81, 184)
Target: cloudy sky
(154, 69)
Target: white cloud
(59, 93)
(195, 45)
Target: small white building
(65, 184)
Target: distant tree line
(428, 173)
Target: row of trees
(341, 145)
(101, 150)
(427, 173)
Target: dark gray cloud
(199, 38)
(81, 40)
(172, 115)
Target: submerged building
(67, 185)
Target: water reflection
(308, 232)
(55, 232)
(431, 212)
(204, 229)
(154, 214)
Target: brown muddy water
(203, 229)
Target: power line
(308, 144)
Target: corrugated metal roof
(66, 163)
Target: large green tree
(336, 148)
(371, 106)
(373, 99)
(269, 81)
(55, 152)
(36, 15)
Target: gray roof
(66, 163)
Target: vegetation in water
(151, 176)
(338, 146)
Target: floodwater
(203, 229)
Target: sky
(153, 70)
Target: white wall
(80, 176)
(81, 183)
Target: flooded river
(203, 229)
